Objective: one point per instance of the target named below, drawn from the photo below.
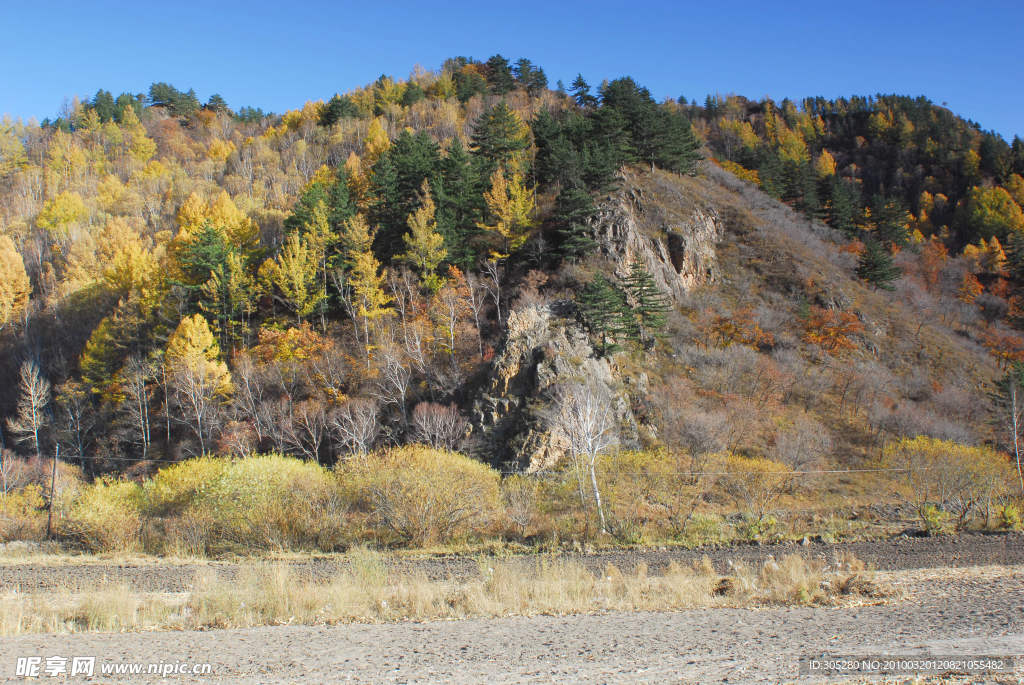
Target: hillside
(739, 308)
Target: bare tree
(12, 471)
(357, 423)
(393, 377)
(494, 274)
(199, 389)
(135, 378)
(1010, 413)
(251, 393)
(589, 423)
(438, 426)
(701, 435)
(802, 447)
(917, 301)
(308, 429)
(519, 494)
(75, 418)
(477, 291)
(32, 417)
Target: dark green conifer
(876, 266)
(649, 303)
(605, 313)
(573, 207)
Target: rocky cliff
(545, 346)
(674, 238)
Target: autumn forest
(349, 280)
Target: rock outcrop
(545, 347)
(543, 350)
(679, 252)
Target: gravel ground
(154, 575)
(976, 611)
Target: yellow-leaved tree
(62, 212)
(296, 276)
(423, 244)
(511, 207)
(14, 284)
(825, 165)
(377, 143)
(138, 144)
(367, 283)
(199, 381)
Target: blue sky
(277, 55)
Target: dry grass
(271, 594)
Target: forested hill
(179, 277)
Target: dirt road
(979, 611)
(157, 576)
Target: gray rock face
(679, 254)
(545, 347)
(543, 350)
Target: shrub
(754, 484)
(942, 477)
(519, 494)
(22, 516)
(105, 517)
(1009, 516)
(175, 488)
(263, 502)
(426, 495)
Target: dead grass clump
(366, 591)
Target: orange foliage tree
(830, 329)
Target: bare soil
(155, 575)
(977, 611)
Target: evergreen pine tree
(546, 134)
(676, 145)
(605, 313)
(1014, 249)
(338, 107)
(385, 209)
(891, 220)
(649, 303)
(459, 205)
(413, 94)
(499, 75)
(580, 92)
(339, 201)
(216, 103)
(573, 207)
(499, 135)
(395, 184)
(103, 105)
(876, 266)
(841, 208)
(1017, 153)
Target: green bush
(424, 495)
(261, 502)
(1009, 516)
(22, 514)
(105, 517)
(174, 489)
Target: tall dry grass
(366, 591)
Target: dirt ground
(154, 575)
(977, 611)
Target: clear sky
(276, 55)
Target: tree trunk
(597, 497)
